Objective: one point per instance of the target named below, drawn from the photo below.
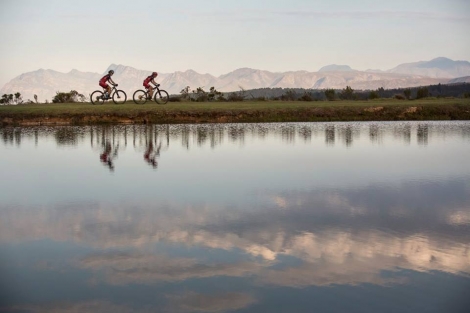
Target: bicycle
(142, 96)
(99, 97)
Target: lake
(294, 217)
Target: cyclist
(105, 86)
(147, 81)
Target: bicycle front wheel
(119, 97)
(97, 97)
(140, 97)
(161, 97)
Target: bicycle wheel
(140, 97)
(161, 97)
(119, 97)
(97, 97)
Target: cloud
(197, 302)
(93, 306)
(124, 268)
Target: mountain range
(45, 83)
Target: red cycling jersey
(147, 81)
(104, 80)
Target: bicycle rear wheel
(97, 97)
(161, 97)
(140, 97)
(119, 97)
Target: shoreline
(236, 112)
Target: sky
(217, 37)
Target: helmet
(111, 72)
(154, 74)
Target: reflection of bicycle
(142, 96)
(118, 96)
(108, 155)
(151, 155)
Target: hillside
(45, 83)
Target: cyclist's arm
(112, 81)
(153, 82)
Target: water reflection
(215, 134)
(108, 154)
(273, 231)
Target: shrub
(175, 99)
(68, 97)
(289, 95)
(347, 93)
(330, 94)
(200, 95)
(466, 95)
(423, 92)
(306, 97)
(214, 94)
(399, 97)
(235, 96)
(373, 95)
(407, 93)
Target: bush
(330, 94)
(466, 95)
(407, 93)
(347, 93)
(235, 96)
(215, 95)
(373, 95)
(399, 97)
(422, 92)
(175, 99)
(306, 97)
(68, 97)
(289, 95)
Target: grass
(246, 111)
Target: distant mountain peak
(336, 68)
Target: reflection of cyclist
(104, 80)
(150, 156)
(107, 156)
(147, 81)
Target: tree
(289, 95)
(330, 94)
(373, 95)
(407, 93)
(215, 95)
(200, 94)
(185, 92)
(18, 98)
(36, 98)
(422, 92)
(11, 99)
(381, 92)
(68, 97)
(307, 96)
(347, 93)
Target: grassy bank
(247, 111)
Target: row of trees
(60, 97)
(349, 94)
(200, 95)
(11, 99)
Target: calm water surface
(324, 217)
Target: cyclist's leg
(141, 96)
(150, 92)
